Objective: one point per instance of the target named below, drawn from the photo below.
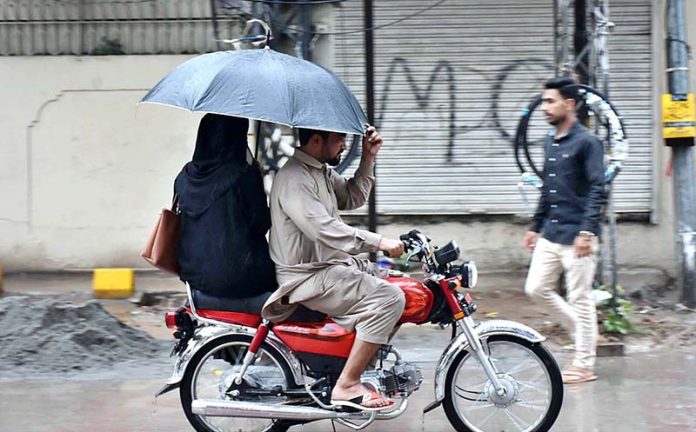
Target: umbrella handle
(255, 40)
(263, 24)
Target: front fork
(467, 326)
(463, 308)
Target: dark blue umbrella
(263, 85)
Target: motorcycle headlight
(469, 274)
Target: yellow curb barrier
(113, 283)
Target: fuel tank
(419, 299)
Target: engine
(401, 378)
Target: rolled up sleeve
(352, 193)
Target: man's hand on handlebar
(393, 248)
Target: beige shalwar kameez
(313, 250)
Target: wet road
(651, 391)
(642, 392)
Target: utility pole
(580, 42)
(679, 128)
(370, 100)
(216, 26)
(307, 35)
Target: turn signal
(170, 319)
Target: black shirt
(573, 192)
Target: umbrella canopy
(263, 85)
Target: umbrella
(265, 85)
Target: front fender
(209, 333)
(483, 330)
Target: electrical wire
(279, 2)
(363, 30)
(287, 2)
(96, 2)
(290, 2)
(521, 143)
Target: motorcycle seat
(207, 305)
(248, 305)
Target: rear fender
(209, 333)
(483, 330)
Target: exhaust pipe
(223, 408)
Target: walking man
(314, 252)
(564, 230)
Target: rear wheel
(528, 371)
(209, 375)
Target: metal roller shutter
(450, 84)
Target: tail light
(170, 320)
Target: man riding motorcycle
(313, 250)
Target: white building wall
(84, 171)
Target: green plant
(617, 319)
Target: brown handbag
(162, 247)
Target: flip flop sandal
(356, 404)
(577, 375)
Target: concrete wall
(84, 172)
(84, 169)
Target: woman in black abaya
(223, 252)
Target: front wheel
(530, 375)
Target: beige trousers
(355, 299)
(578, 314)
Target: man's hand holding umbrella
(371, 143)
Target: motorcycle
(236, 371)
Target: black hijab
(218, 161)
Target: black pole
(306, 36)
(369, 91)
(682, 151)
(580, 42)
(216, 29)
(556, 61)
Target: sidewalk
(498, 295)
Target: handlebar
(386, 254)
(408, 240)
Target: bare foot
(346, 393)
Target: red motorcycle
(238, 372)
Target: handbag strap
(175, 204)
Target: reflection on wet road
(641, 392)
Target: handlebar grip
(404, 237)
(386, 254)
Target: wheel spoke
(480, 407)
(238, 357)
(489, 417)
(523, 369)
(537, 405)
(516, 420)
(526, 385)
(211, 372)
(213, 386)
